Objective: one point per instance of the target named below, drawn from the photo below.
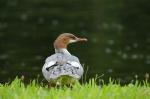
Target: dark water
(118, 33)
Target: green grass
(17, 90)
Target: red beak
(81, 39)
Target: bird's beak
(78, 40)
(81, 39)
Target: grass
(18, 90)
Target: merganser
(62, 68)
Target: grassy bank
(17, 90)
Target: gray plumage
(62, 64)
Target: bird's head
(66, 38)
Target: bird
(63, 68)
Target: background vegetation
(118, 33)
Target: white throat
(62, 50)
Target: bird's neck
(62, 50)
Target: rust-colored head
(66, 38)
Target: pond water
(118, 39)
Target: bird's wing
(50, 61)
(74, 61)
(60, 64)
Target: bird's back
(60, 65)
